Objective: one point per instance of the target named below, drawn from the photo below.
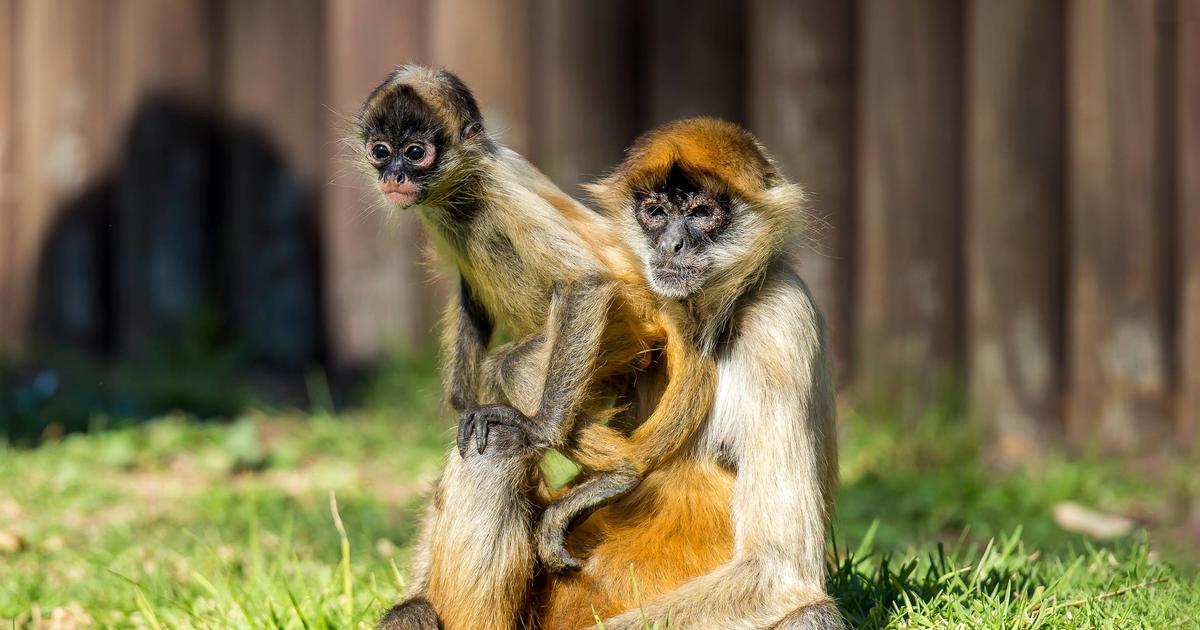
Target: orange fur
(523, 237)
(673, 527)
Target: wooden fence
(1010, 190)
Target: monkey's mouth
(674, 280)
(400, 194)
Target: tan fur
(525, 237)
(772, 420)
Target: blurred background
(1010, 191)
(1007, 252)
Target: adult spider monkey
(710, 216)
(729, 533)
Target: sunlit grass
(290, 520)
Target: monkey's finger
(465, 425)
(481, 432)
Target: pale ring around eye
(414, 152)
(378, 152)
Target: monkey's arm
(466, 332)
(575, 326)
(619, 462)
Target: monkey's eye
(656, 211)
(379, 152)
(414, 152)
(701, 212)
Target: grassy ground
(174, 523)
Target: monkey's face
(402, 141)
(410, 143)
(403, 164)
(681, 222)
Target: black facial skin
(680, 220)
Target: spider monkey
(727, 531)
(555, 275)
(710, 216)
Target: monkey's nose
(672, 246)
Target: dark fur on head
(432, 110)
(749, 210)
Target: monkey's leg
(820, 615)
(480, 555)
(416, 611)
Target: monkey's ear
(471, 129)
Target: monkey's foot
(412, 614)
(476, 422)
(552, 545)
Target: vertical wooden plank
(587, 96)
(60, 91)
(9, 336)
(161, 91)
(274, 149)
(376, 290)
(488, 45)
(1120, 190)
(269, 83)
(801, 107)
(1015, 214)
(162, 48)
(696, 51)
(1187, 118)
(909, 254)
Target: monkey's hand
(475, 422)
(550, 539)
(412, 614)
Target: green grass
(176, 523)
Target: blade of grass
(347, 582)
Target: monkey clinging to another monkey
(553, 274)
(726, 527)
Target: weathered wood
(162, 49)
(587, 94)
(696, 50)
(1187, 119)
(488, 44)
(273, 150)
(801, 107)
(10, 337)
(162, 80)
(1120, 191)
(909, 258)
(61, 136)
(1015, 215)
(376, 290)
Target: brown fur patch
(718, 154)
(675, 526)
